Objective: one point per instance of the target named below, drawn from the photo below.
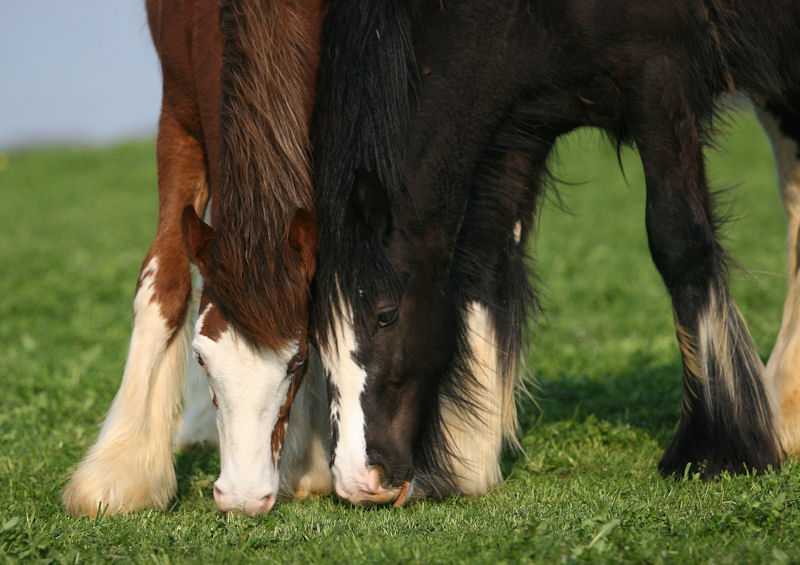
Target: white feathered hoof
(118, 481)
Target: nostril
(262, 506)
(376, 460)
(375, 478)
(219, 498)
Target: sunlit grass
(76, 225)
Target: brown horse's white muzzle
(252, 505)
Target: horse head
(393, 339)
(253, 371)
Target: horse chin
(382, 496)
(396, 496)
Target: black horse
(433, 126)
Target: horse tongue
(403, 495)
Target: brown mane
(269, 62)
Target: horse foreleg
(783, 369)
(130, 465)
(726, 420)
(475, 434)
(489, 264)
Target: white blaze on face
(250, 387)
(350, 452)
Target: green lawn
(76, 224)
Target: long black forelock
(367, 72)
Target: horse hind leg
(305, 469)
(197, 423)
(782, 124)
(130, 466)
(726, 421)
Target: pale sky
(76, 70)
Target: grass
(76, 225)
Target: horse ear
(196, 235)
(303, 238)
(372, 203)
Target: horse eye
(387, 317)
(297, 364)
(200, 360)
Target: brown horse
(238, 94)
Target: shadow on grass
(647, 397)
(644, 395)
(196, 469)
